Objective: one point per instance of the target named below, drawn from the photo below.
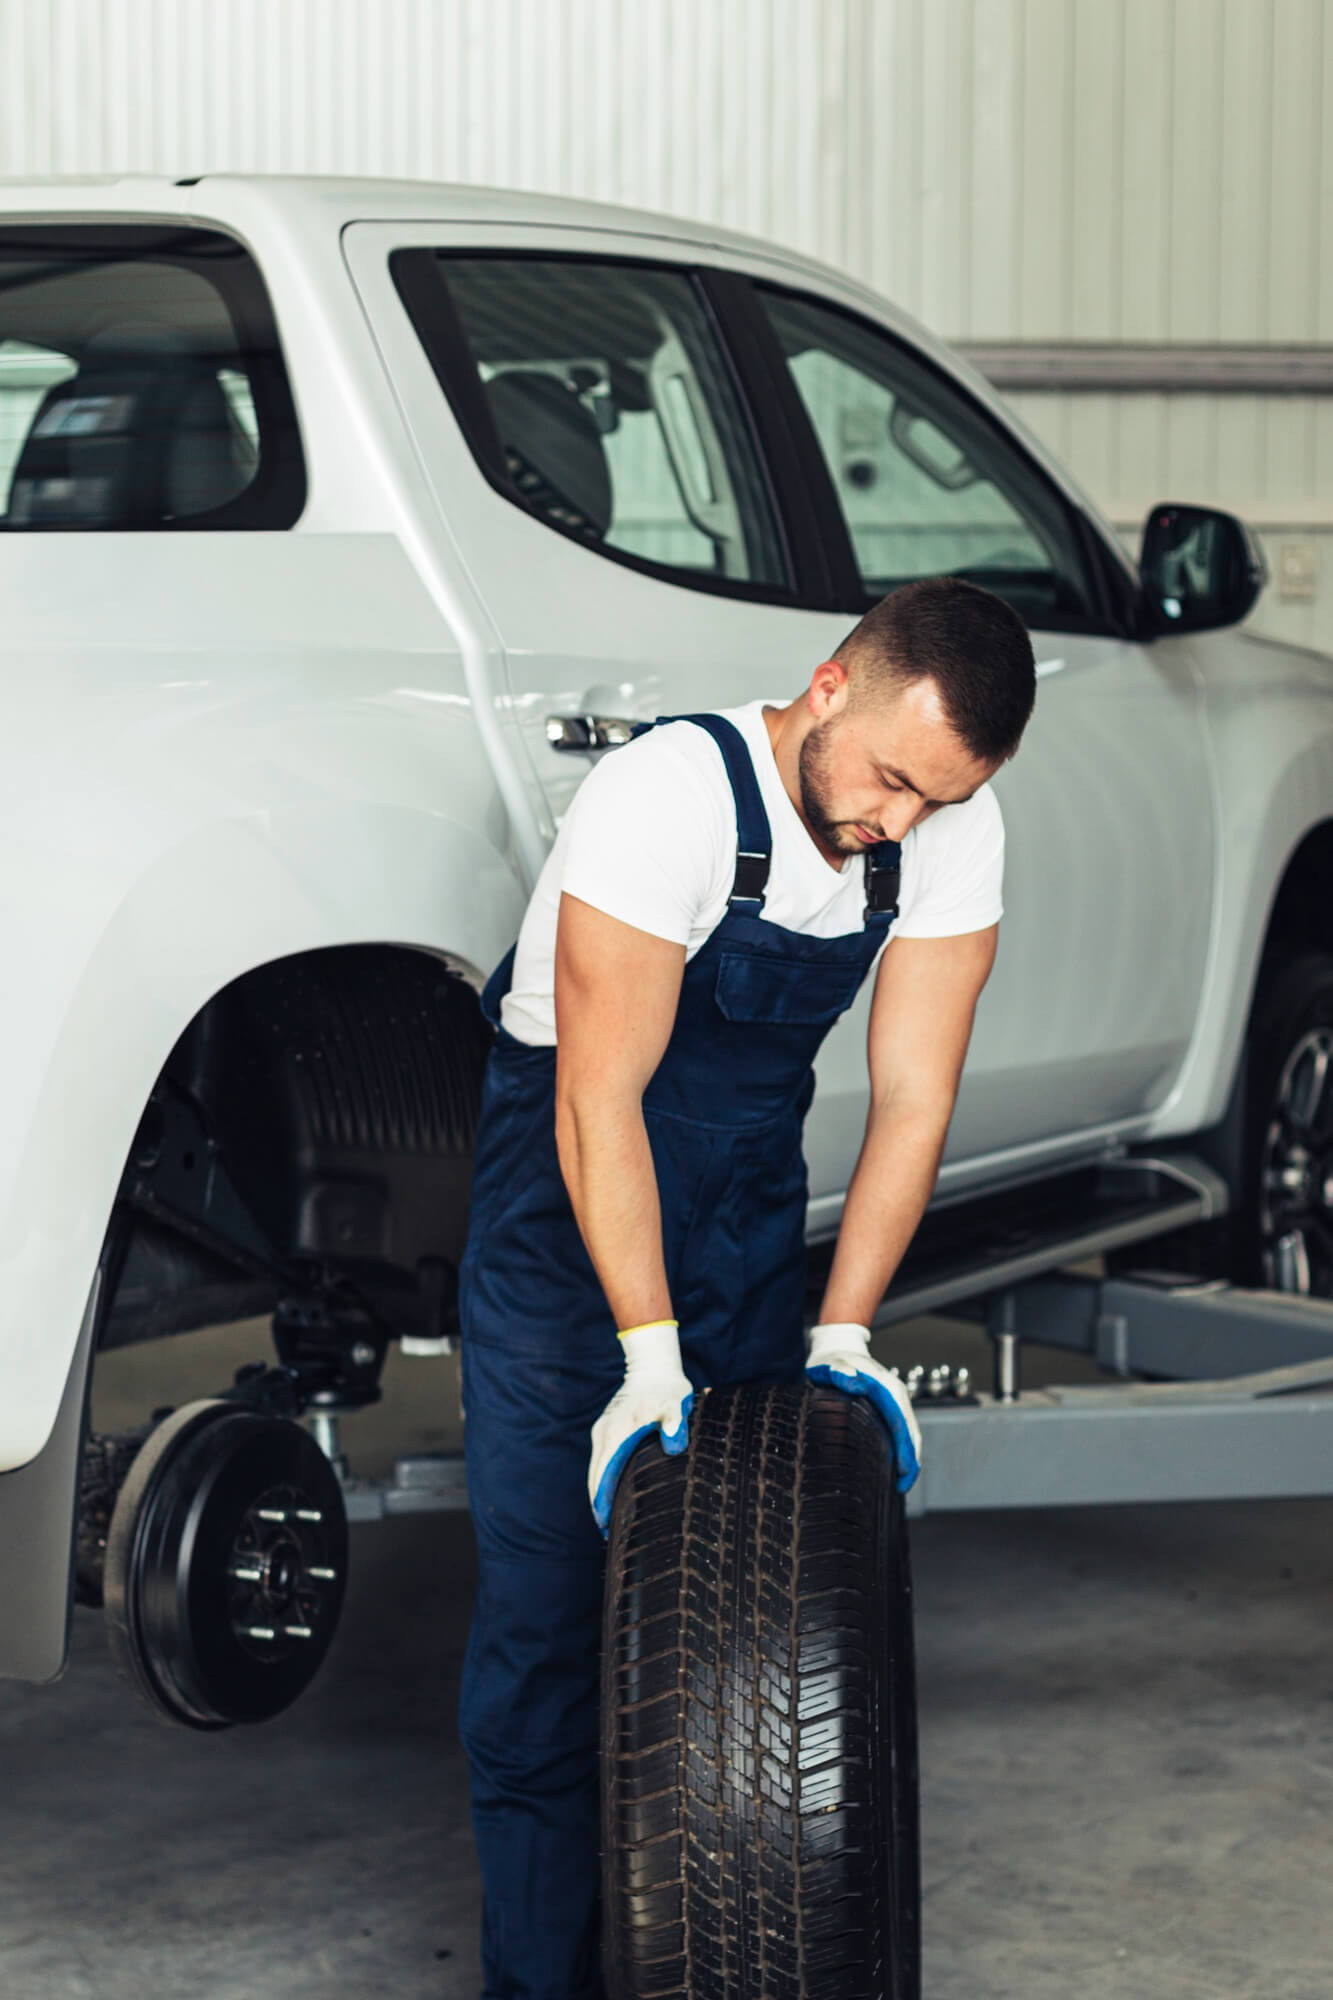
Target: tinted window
(141, 384)
(927, 484)
(598, 397)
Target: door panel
(1108, 808)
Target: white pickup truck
(345, 524)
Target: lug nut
(938, 1382)
(324, 1575)
(296, 1631)
(271, 1513)
(962, 1383)
(260, 1632)
(248, 1575)
(915, 1377)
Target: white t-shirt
(650, 838)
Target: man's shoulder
(669, 777)
(672, 754)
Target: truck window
(606, 408)
(141, 384)
(927, 482)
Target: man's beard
(812, 772)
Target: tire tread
(759, 1826)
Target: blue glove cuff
(904, 1450)
(673, 1444)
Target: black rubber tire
(759, 1763)
(1297, 1004)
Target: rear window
(141, 384)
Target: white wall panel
(1153, 170)
(1092, 169)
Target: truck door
(647, 568)
(1107, 808)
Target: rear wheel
(760, 1832)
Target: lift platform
(1211, 1392)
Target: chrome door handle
(588, 732)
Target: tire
(1284, 1232)
(759, 1762)
(1276, 1236)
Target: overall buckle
(751, 877)
(882, 881)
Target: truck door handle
(588, 732)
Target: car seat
(140, 436)
(553, 450)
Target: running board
(995, 1242)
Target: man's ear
(828, 689)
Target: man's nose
(898, 818)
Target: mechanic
(718, 891)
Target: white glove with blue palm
(656, 1395)
(838, 1356)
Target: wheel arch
(315, 1121)
(237, 896)
(1301, 915)
(1275, 812)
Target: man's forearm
(608, 1170)
(893, 1181)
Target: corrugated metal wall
(1154, 170)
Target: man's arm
(926, 993)
(616, 992)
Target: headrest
(553, 449)
(141, 434)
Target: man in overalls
(717, 894)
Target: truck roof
(346, 199)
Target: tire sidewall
(1298, 999)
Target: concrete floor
(1127, 1756)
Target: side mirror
(1198, 569)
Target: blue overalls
(540, 1361)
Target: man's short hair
(972, 644)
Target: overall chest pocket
(752, 986)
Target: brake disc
(226, 1562)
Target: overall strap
(883, 865)
(883, 875)
(754, 838)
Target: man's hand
(655, 1395)
(839, 1358)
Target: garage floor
(1127, 1751)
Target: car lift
(1213, 1392)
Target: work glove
(838, 1356)
(655, 1396)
